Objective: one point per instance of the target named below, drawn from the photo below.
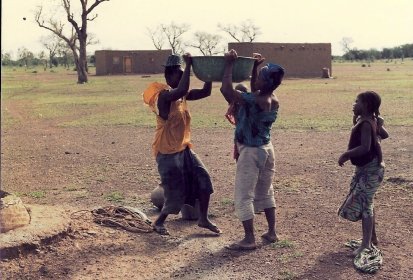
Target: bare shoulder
(366, 126)
(163, 94)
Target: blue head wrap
(267, 74)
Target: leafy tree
(42, 57)
(373, 54)
(407, 50)
(25, 56)
(51, 43)
(92, 59)
(65, 55)
(387, 53)
(397, 52)
(77, 37)
(6, 58)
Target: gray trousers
(254, 191)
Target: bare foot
(358, 250)
(208, 225)
(241, 246)
(160, 229)
(270, 237)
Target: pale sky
(122, 24)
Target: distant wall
(300, 60)
(110, 62)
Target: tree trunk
(81, 72)
(81, 64)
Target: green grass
(305, 104)
(282, 244)
(37, 194)
(286, 258)
(114, 196)
(227, 201)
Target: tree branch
(91, 19)
(97, 2)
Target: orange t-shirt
(174, 134)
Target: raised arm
(381, 131)
(230, 94)
(182, 89)
(195, 94)
(258, 60)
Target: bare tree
(157, 36)
(173, 33)
(77, 38)
(207, 43)
(345, 44)
(246, 31)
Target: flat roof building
(300, 60)
(112, 62)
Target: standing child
(364, 152)
(381, 135)
(256, 113)
(242, 88)
(183, 175)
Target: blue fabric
(253, 125)
(267, 71)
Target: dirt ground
(79, 169)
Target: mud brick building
(300, 60)
(112, 62)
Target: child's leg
(271, 234)
(367, 228)
(203, 220)
(374, 239)
(245, 180)
(158, 224)
(367, 224)
(249, 238)
(248, 243)
(264, 192)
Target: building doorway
(127, 64)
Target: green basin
(211, 68)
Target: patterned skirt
(184, 178)
(363, 187)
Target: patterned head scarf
(266, 73)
